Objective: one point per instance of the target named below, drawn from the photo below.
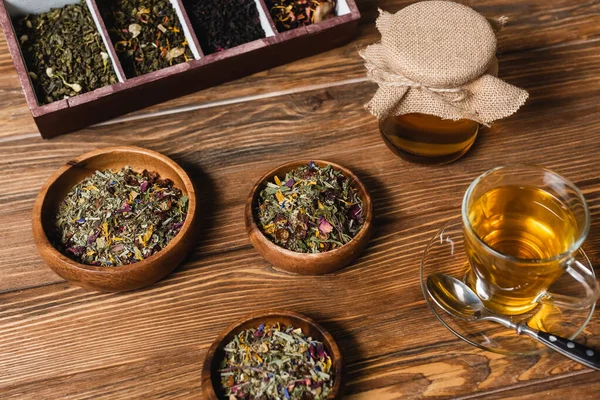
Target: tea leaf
(63, 52)
(323, 11)
(271, 362)
(174, 53)
(118, 217)
(291, 14)
(135, 30)
(220, 25)
(147, 34)
(316, 210)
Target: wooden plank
(14, 112)
(227, 149)
(57, 340)
(176, 320)
(533, 24)
(582, 385)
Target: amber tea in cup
(522, 227)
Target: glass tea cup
(522, 227)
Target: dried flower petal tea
(146, 34)
(310, 210)
(290, 14)
(275, 362)
(223, 24)
(64, 53)
(118, 217)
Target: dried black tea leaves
(146, 34)
(64, 53)
(290, 14)
(274, 361)
(311, 210)
(118, 217)
(220, 25)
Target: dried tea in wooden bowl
(64, 53)
(276, 362)
(312, 209)
(118, 217)
(146, 34)
(220, 25)
(291, 14)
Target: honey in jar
(436, 69)
(428, 139)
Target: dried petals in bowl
(275, 361)
(119, 216)
(315, 220)
(102, 240)
(273, 354)
(311, 210)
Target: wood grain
(532, 24)
(555, 389)
(58, 341)
(227, 155)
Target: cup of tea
(522, 226)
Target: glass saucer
(445, 254)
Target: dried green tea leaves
(146, 34)
(291, 14)
(275, 362)
(64, 53)
(220, 25)
(118, 217)
(310, 210)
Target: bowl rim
(334, 350)
(42, 240)
(367, 209)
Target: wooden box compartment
(133, 93)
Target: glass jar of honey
(436, 69)
(428, 139)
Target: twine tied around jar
(439, 58)
(390, 79)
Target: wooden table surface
(58, 341)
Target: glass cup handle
(584, 276)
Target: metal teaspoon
(457, 299)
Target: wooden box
(203, 71)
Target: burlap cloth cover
(439, 58)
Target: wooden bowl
(308, 263)
(119, 278)
(211, 379)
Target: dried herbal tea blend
(290, 14)
(64, 53)
(310, 210)
(146, 34)
(118, 217)
(274, 362)
(220, 25)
